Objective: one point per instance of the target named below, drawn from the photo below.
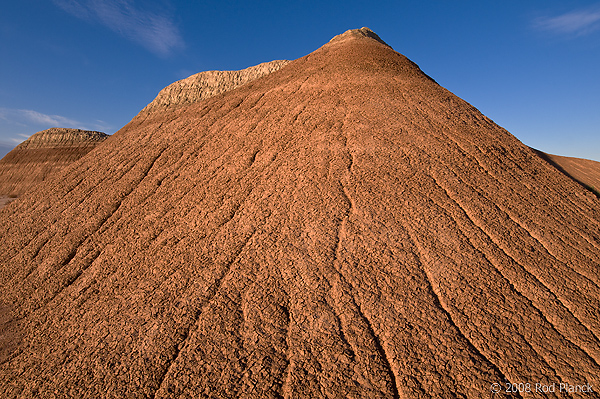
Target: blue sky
(530, 66)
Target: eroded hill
(341, 227)
(207, 84)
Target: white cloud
(577, 22)
(73, 7)
(153, 30)
(43, 119)
(100, 125)
(30, 118)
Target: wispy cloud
(43, 119)
(27, 118)
(153, 30)
(17, 140)
(576, 22)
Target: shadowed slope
(343, 227)
(45, 152)
(584, 171)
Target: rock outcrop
(42, 154)
(343, 227)
(207, 84)
(362, 33)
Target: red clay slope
(343, 227)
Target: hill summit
(362, 33)
(340, 227)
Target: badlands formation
(42, 154)
(342, 227)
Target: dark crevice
(98, 228)
(438, 303)
(506, 212)
(295, 117)
(252, 158)
(393, 385)
(69, 256)
(288, 366)
(499, 179)
(71, 279)
(342, 334)
(382, 353)
(443, 211)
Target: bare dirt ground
(343, 227)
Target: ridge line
(526, 341)
(369, 327)
(87, 238)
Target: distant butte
(338, 227)
(43, 153)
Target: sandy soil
(343, 227)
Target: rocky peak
(211, 83)
(361, 33)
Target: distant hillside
(45, 152)
(5, 148)
(585, 171)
